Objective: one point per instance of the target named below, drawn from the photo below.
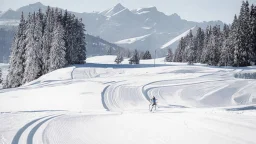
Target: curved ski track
(26, 134)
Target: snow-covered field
(104, 103)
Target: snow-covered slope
(9, 22)
(101, 102)
(132, 40)
(176, 39)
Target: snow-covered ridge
(176, 39)
(150, 8)
(132, 40)
(9, 22)
(126, 24)
(113, 10)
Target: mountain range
(142, 29)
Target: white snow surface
(132, 40)
(172, 41)
(101, 102)
(9, 22)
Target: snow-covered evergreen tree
(1, 76)
(169, 56)
(180, 50)
(252, 45)
(214, 46)
(190, 51)
(241, 57)
(147, 56)
(135, 59)
(199, 44)
(75, 41)
(33, 69)
(47, 39)
(58, 50)
(68, 21)
(17, 59)
(206, 53)
(119, 59)
(225, 57)
(232, 42)
(82, 42)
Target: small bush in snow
(119, 59)
(135, 59)
(146, 56)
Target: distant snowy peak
(10, 14)
(32, 7)
(116, 9)
(175, 15)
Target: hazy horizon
(193, 10)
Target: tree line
(134, 58)
(234, 45)
(43, 43)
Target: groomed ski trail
(32, 132)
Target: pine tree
(206, 53)
(232, 42)
(33, 69)
(190, 51)
(17, 59)
(147, 56)
(82, 42)
(179, 51)
(1, 77)
(68, 21)
(58, 50)
(119, 59)
(225, 50)
(215, 46)
(169, 56)
(135, 58)
(242, 51)
(47, 39)
(253, 35)
(199, 44)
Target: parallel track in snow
(27, 133)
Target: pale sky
(194, 10)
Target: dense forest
(45, 42)
(234, 45)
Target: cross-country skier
(153, 102)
